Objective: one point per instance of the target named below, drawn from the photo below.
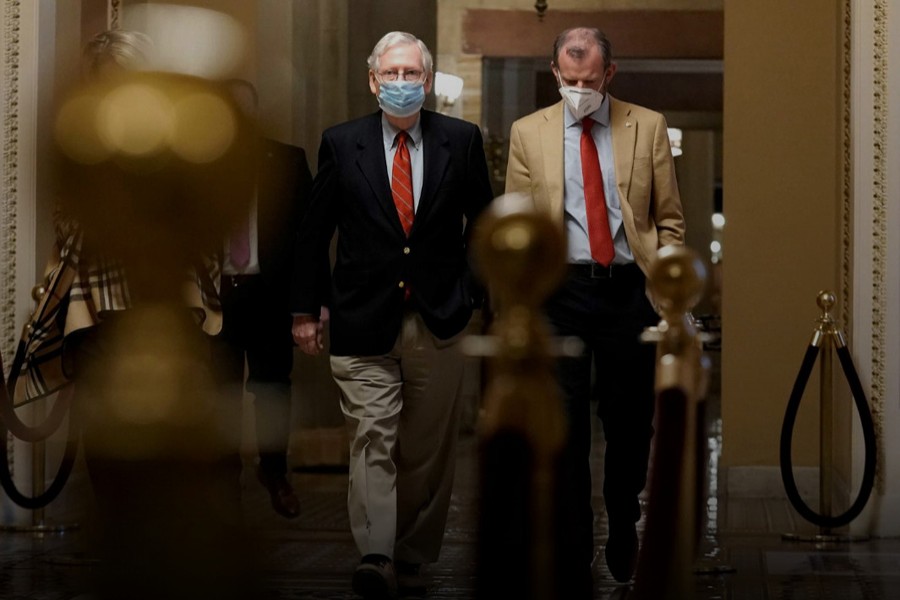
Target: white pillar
(875, 343)
(19, 31)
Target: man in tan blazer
(603, 170)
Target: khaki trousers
(401, 411)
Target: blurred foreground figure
(152, 174)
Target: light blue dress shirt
(579, 247)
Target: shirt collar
(601, 115)
(390, 132)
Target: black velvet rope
(662, 534)
(65, 465)
(868, 429)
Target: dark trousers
(256, 327)
(607, 315)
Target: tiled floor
(313, 556)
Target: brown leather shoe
(284, 500)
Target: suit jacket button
(401, 284)
(406, 250)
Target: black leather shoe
(374, 578)
(622, 552)
(284, 500)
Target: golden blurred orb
(518, 251)
(76, 130)
(135, 119)
(204, 128)
(677, 278)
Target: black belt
(598, 271)
(237, 280)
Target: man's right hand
(308, 334)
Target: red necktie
(594, 198)
(401, 183)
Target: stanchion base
(709, 567)
(825, 538)
(72, 560)
(38, 529)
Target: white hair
(396, 38)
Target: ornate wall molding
(879, 221)
(8, 193)
(113, 12)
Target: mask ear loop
(556, 76)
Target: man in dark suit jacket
(400, 296)
(255, 291)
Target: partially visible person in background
(257, 263)
(115, 51)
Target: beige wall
(781, 156)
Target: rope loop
(787, 433)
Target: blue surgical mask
(401, 98)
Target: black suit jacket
(375, 262)
(282, 194)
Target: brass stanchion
(666, 561)
(39, 525)
(826, 337)
(522, 254)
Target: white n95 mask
(581, 101)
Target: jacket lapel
(436, 156)
(371, 162)
(551, 141)
(624, 134)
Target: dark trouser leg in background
(256, 329)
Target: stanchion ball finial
(677, 279)
(826, 300)
(519, 251)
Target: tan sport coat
(645, 172)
